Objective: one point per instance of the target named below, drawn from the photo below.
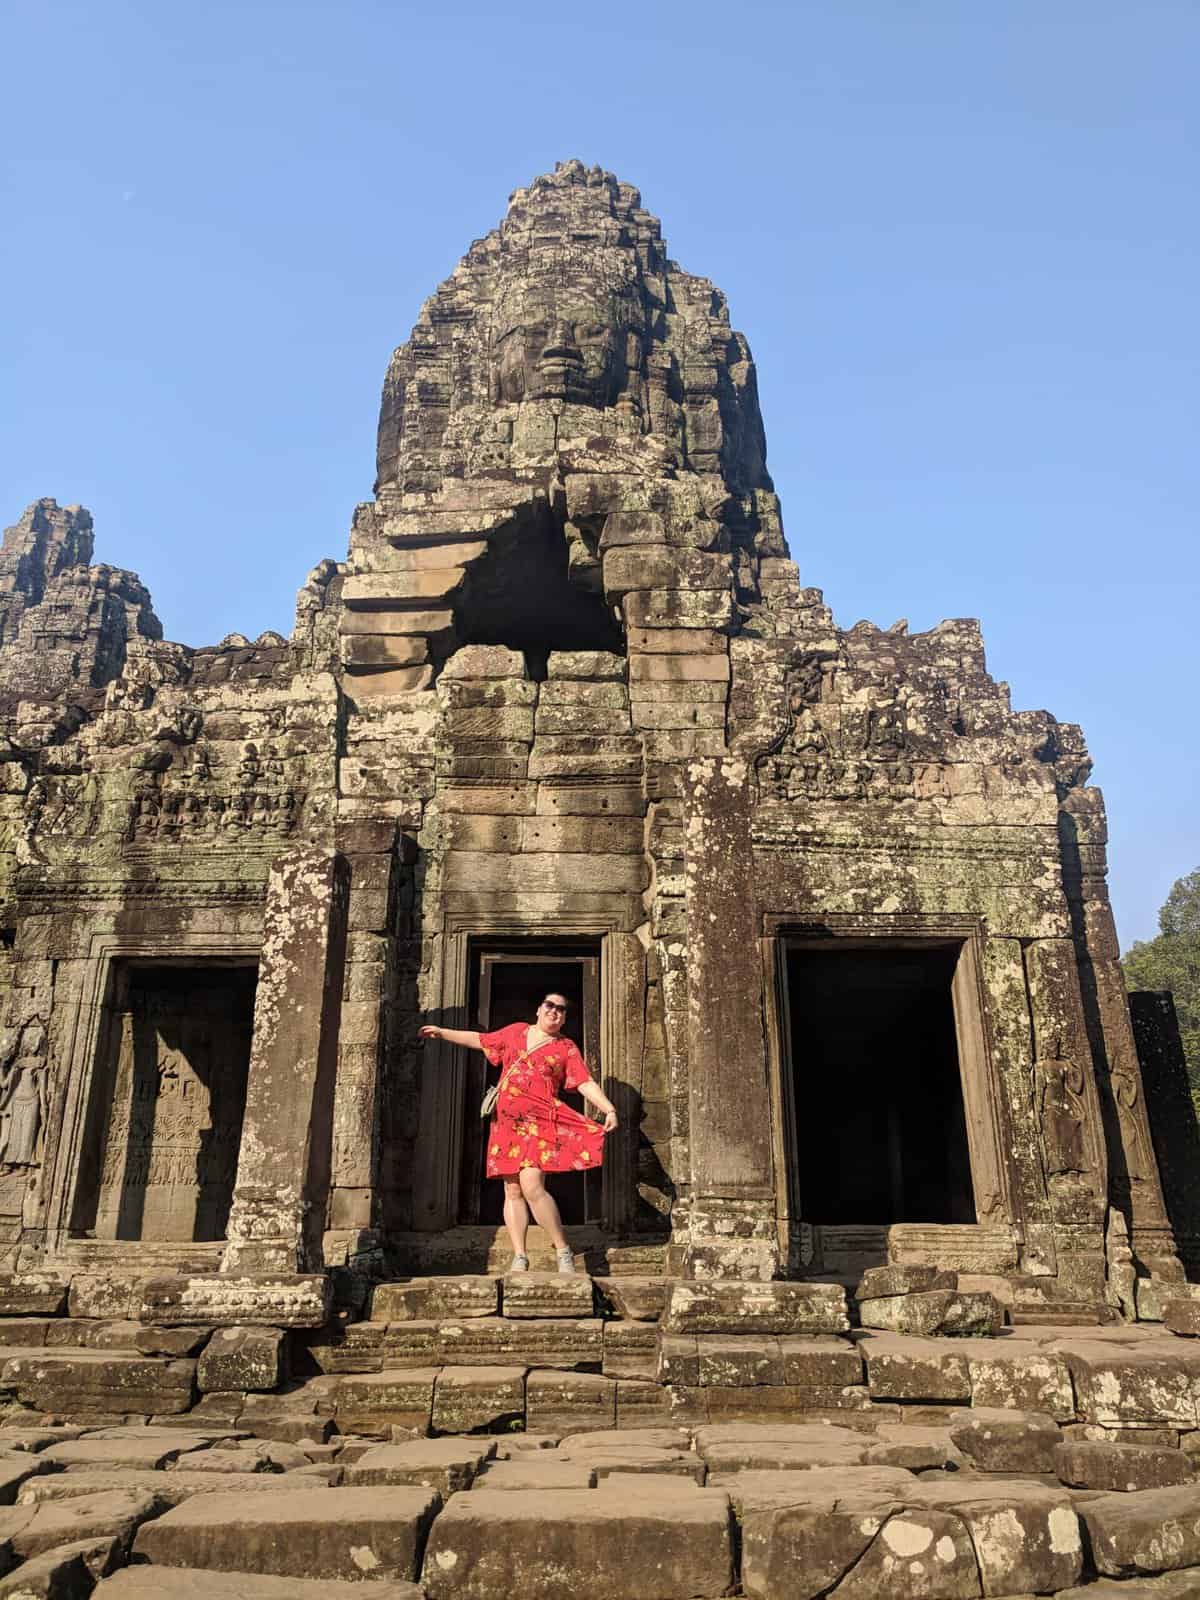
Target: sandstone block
(666, 1544)
(485, 661)
(916, 1554)
(936, 1311)
(768, 1491)
(569, 1402)
(879, 1283)
(679, 608)
(15, 1470)
(181, 1341)
(189, 1583)
(591, 664)
(32, 1294)
(1023, 1378)
(1007, 1441)
(375, 1403)
(97, 1294)
(309, 1533)
(675, 641)
(802, 1550)
(144, 1449)
(358, 649)
(447, 1465)
(630, 1350)
(1183, 1317)
(24, 1333)
(753, 1307)
(639, 1299)
(1120, 1468)
(171, 1488)
(33, 1530)
(658, 568)
(900, 1368)
(547, 1294)
(1115, 1386)
(641, 1403)
(780, 1447)
(430, 1298)
(916, 1449)
(620, 1457)
(532, 1473)
(68, 1572)
(673, 669)
(1026, 1535)
(85, 1383)
(815, 1362)
(468, 1399)
(678, 1359)
(733, 1361)
(517, 1341)
(229, 1300)
(1157, 1530)
(243, 1358)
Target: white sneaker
(566, 1261)
(519, 1264)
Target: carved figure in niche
(1139, 1164)
(1061, 1108)
(272, 765)
(249, 767)
(887, 733)
(201, 764)
(22, 1112)
(578, 341)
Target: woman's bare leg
(516, 1215)
(543, 1205)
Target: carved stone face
(551, 342)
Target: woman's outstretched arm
(463, 1036)
(595, 1096)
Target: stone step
(466, 1249)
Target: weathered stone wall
(567, 682)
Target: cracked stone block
(141, 1448)
(433, 1299)
(1155, 1530)
(243, 1358)
(670, 1542)
(915, 1555)
(1007, 1441)
(1121, 1468)
(637, 1299)
(547, 1294)
(937, 1311)
(1022, 1378)
(32, 1530)
(533, 1473)
(1026, 1535)
(447, 1465)
(309, 1533)
(1114, 1386)
(879, 1283)
(469, 1399)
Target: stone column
(282, 1190)
(732, 1230)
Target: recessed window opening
(525, 594)
(168, 1101)
(881, 1131)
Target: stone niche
(169, 1095)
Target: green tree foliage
(1172, 961)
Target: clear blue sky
(962, 239)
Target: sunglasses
(550, 1005)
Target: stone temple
(832, 917)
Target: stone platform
(475, 1434)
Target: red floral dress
(532, 1127)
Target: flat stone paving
(780, 1511)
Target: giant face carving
(572, 342)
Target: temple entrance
(507, 984)
(169, 1098)
(881, 1133)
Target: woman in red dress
(533, 1132)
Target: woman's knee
(532, 1183)
(512, 1189)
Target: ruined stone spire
(570, 322)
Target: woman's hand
(610, 1122)
(430, 1032)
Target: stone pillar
(1173, 1123)
(1134, 1185)
(282, 1190)
(732, 1230)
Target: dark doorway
(508, 983)
(168, 1102)
(881, 1134)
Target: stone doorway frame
(88, 1033)
(987, 1124)
(437, 1161)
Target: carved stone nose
(561, 346)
